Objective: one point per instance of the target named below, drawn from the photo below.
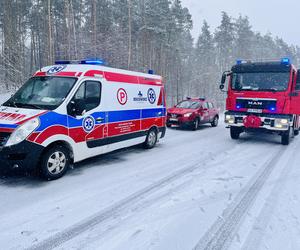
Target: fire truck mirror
(222, 86)
(223, 80)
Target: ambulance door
(87, 121)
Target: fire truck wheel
(235, 133)
(215, 121)
(296, 132)
(55, 162)
(285, 138)
(151, 139)
(195, 125)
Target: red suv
(193, 112)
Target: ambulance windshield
(46, 92)
(260, 81)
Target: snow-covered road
(195, 190)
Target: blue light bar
(151, 71)
(286, 61)
(240, 61)
(272, 108)
(63, 62)
(93, 61)
(238, 106)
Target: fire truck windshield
(260, 81)
(45, 92)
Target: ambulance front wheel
(151, 138)
(55, 162)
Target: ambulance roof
(83, 68)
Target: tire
(235, 133)
(151, 139)
(168, 125)
(55, 162)
(195, 125)
(215, 121)
(296, 132)
(285, 138)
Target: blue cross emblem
(151, 96)
(88, 124)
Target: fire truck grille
(3, 138)
(256, 104)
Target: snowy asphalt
(195, 190)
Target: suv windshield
(264, 81)
(188, 105)
(46, 92)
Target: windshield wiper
(10, 104)
(270, 89)
(22, 105)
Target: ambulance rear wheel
(55, 162)
(235, 133)
(151, 139)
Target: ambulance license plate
(255, 110)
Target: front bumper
(25, 155)
(180, 122)
(269, 121)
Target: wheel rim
(151, 138)
(196, 124)
(56, 162)
(216, 121)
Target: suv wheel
(55, 162)
(195, 125)
(215, 121)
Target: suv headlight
(187, 114)
(22, 132)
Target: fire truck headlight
(22, 132)
(187, 114)
(281, 123)
(229, 119)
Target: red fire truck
(263, 96)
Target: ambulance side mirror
(76, 107)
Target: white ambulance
(73, 111)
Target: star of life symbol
(55, 69)
(151, 96)
(88, 124)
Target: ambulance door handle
(99, 119)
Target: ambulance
(72, 111)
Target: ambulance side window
(87, 97)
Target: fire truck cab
(263, 96)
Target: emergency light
(89, 61)
(285, 61)
(93, 61)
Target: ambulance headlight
(22, 132)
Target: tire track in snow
(261, 222)
(222, 232)
(130, 202)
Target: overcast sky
(279, 17)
